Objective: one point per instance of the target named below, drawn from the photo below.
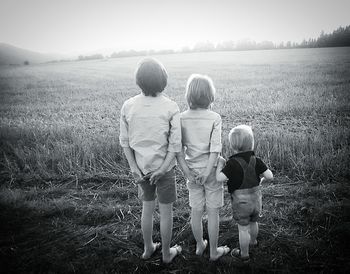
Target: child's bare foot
(148, 253)
(236, 253)
(175, 250)
(221, 251)
(201, 247)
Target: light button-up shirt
(151, 127)
(201, 135)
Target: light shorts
(210, 194)
(246, 205)
(164, 189)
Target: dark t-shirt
(234, 171)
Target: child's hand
(221, 162)
(136, 173)
(191, 177)
(202, 178)
(156, 176)
(144, 178)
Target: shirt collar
(243, 154)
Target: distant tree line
(90, 57)
(338, 38)
(127, 53)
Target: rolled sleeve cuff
(216, 148)
(124, 142)
(175, 148)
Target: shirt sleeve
(260, 166)
(215, 140)
(183, 146)
(123, 132)
(174, 139)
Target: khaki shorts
(210, 194)
(246, 205)
(165, 189)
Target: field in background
(62, 167)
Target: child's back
(243, 172)
(201, 134)
(201, 141)
(148, 135)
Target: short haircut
(151, 76)
(200, 91)
(241, 138)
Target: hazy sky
(65, 26)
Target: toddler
(244, 172)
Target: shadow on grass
(64, 229)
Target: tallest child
(150, 134)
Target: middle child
(201, 142)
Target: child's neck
(236, 151)
(156, 95)
(199, 109)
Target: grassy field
(68, 203)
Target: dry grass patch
(97, 228)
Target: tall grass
(63, 119)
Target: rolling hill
(11, 55)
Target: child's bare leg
(244, 240)
(213, 231)
(197, 229)
(166, 226)
(166, 229)
(147, 228)
(253, 231)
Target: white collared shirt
(201, 134)
(151, 127)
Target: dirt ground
(93, 226)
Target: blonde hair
(200, 91)
(241, 138)
(151, 76)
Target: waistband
(247, 190)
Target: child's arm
(202, 178)
(267, 175)
(180, 157)
(174, 146)
(129, 154)
(124, 142)
(163, 168)
(215, 149)
(220, 176)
